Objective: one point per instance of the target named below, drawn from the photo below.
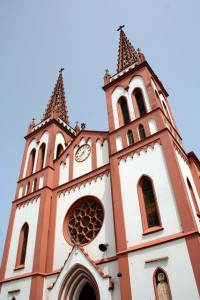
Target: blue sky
(40, 37)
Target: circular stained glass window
(83, 221)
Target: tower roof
(56, 108)
(127, 55)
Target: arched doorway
(87, 293)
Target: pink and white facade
(100, 215)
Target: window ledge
(19, 267)
(152, 230)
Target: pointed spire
(56, 107)
(127, 55)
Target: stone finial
(31, 125)
(83, 126)
(77, 128)
(107, 77)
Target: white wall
(27, 213)
(178, 263)
(21, 284)
(102, 153)
(151, 163)
(64, 171)
(101, 190)
(187, 174)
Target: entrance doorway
(87, 293)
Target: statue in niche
(162, 288)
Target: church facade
(106, 215)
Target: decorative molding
(181, 152)
(27, 202)
(83, 183)
(138, 150)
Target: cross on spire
(61, 69)
(120, 27)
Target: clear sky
(39, 37)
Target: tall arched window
(22, 246)
(193, 198)
(124, 111)
(59, 150)
(34, 184)
(31, 162)
(161, 285)
(41, 156)
(27, 187)
(166, 110)
(141, 131)
(148, 205)
(140, 103)
(130, 137)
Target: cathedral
(106, 215)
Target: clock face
(82, 153)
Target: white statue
(162, 288)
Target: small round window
(83, 221)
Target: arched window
(124, 111)
(161, 285)
(34, 184)
(31, 162)
(157, 94)
(140, 103)
(148, 205)
(41, 156)
(130, 137)
(22, 246)
(166, 110)
(27, 187)
(193, 198)
(142, 133)
(59, 150)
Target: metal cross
(62, 69)
(120, 27)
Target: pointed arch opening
(59, 150)
(124, 117)
(31, 162)
(41, 156)
(87, 292)
(27, 187)
(148, 205)
(161, 285)
(84, 285)
(22, 245)
(140, 103)
(130, 137)
(193, 198)
(142, 134)
(34, 184)
(166, 110)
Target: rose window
(84, 221)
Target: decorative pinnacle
(120, 27)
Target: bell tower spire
(56, 107)
(127, 55)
